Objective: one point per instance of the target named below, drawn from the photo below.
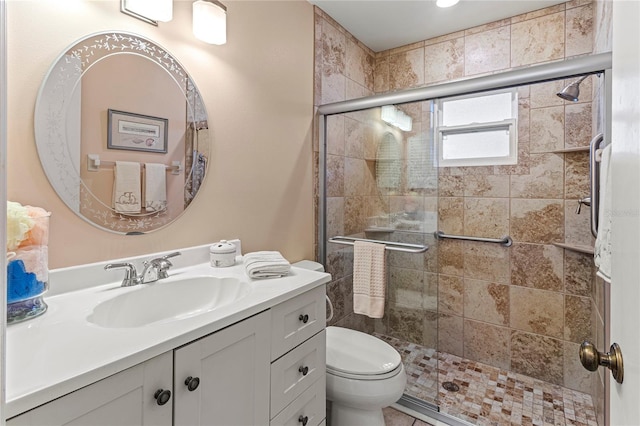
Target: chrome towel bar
(505, 241)
(389, 245)
(594, 179)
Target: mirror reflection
(122, 133)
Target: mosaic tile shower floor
(489, 396)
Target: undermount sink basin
(169, 300)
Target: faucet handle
(174, 254)
(130, 274)
(163, 264)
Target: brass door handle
(591, 359)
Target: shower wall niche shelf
(575, 247)
(575, 149)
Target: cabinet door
(126, 398)
(232, 367)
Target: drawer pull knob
(304, 370)
(162, 396)
(303, 419)
(192, 383)
(304, 318)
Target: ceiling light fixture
(446, 3)
(150, 11)
(210, 21)
(390, 114)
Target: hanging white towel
(602, 250)
(126, 187)
(155, 187)
(369, 279)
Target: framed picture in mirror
(137, 132)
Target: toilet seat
(356, 355)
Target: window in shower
(478, 130)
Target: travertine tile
(547, 129)
(405, 288)
(336, 263)
(451, 215)
(359, 65)
(354, 215)
(450, 186)
(575, 375)
(353, 177)
(576, 181)
(444, 61)
(487, 27)
(333, 50)
(578, 272)
(429, 329)
(544, 94)
(334, 88)
(476, 336)
(487, 51)
(486, 217)
(406, 324)
(340, 293)
(451, 257)
(335, 176)
(538, 13)
(486, 301)
(537, 266)
(494, 186)
(578, 124)
(577, 319)
(335, 135)
(537, 311)
(406, 69)
(579, 30)
(537, 356)
(355, 134)
(381, 75)
(486, 261)
(450, 295)
(406, 260)
(524, 120)
(430, 292)
(450, 334)
(538, 40)
(577, 226)
(545, 178)
(335, 216)
(537, 221)
(522, 168)
(396, 418)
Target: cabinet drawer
(308, 408)
(294, 321)
(293, 373)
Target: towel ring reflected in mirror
(125, 72)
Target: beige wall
(258, 92)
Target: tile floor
(487, 396)
(396, 418)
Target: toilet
(364, 375)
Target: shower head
(572, 91)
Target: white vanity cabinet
(232, 370)
(126, 398)
(268, 369)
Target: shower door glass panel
(382, 184)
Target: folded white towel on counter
(155, 187)
(602, 250)
(266, 264)
(126, 187)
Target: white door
(625, 168)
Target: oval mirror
(122, 133)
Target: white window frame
(509, 125)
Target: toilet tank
(310, 264)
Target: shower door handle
(591, 359)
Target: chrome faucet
(154, 270)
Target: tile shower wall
(524, 308)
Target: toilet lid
(353, 352)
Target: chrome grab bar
(505, 241)
(389, 245)
(594, 177)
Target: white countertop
(60, 351)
